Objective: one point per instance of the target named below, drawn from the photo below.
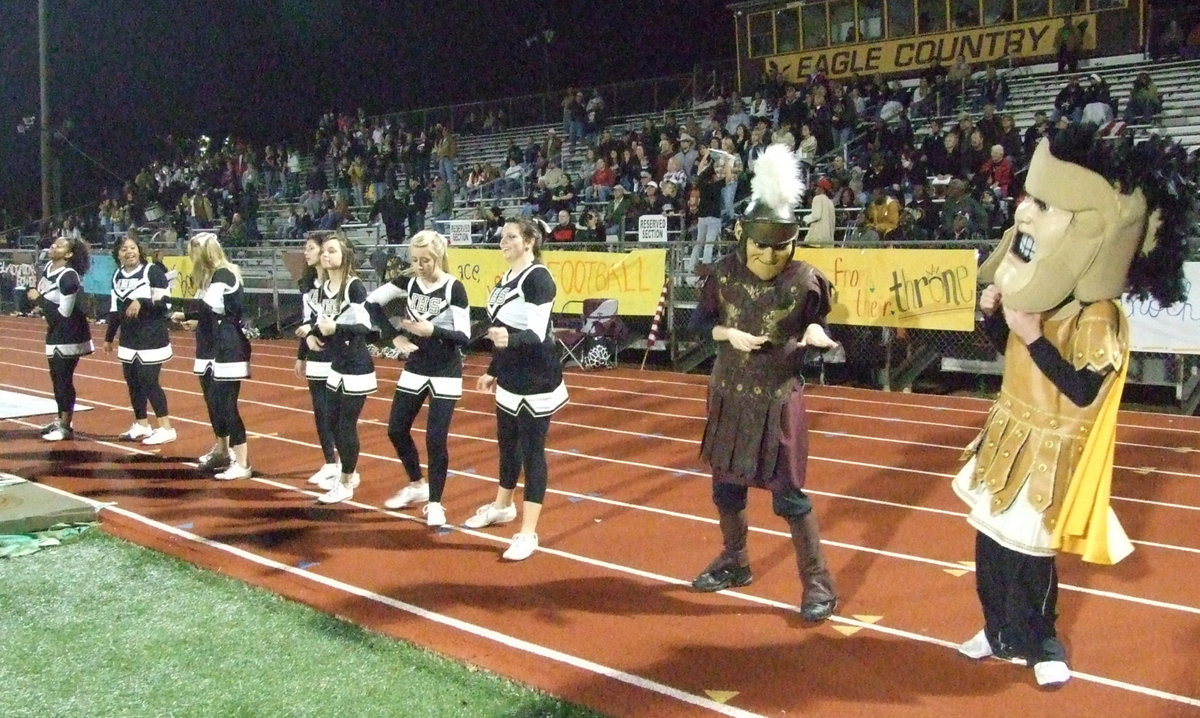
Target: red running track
(603, 614)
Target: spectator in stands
(1068, 41)
(564, 231)
(959, 229)
(1098, 107)
(446, 151)
(735, 186)
(595, 115)
(921, 217)
(393, 214)
(880, 218)
(946, 161)
(687, 154)
(974, 155)
(996, 173)
(1009, 139)
(1034, 134)
(1170, 42)
(821, 216)
(989, 125)
(958, 79)
(357, 174)
(602, 181)
(993, 90)
(1144, 102)
(675, 173)
(590, 230)
(921, 105)
(418, 200)
(1069, 101)
(651, 201)
(443, 204)
(617, 211)
(708, 226)
(958, 198)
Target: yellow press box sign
(982, 44)
(634, 279)
(913, 288)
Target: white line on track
(576, 661)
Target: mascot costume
(762, 308)
(1101, 218)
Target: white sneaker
(340, 490)
(58, 434)
(978, 647)
(488, 514)
(159, 436)
(1051, 673)
(435, 515)
(235, 471)
(136, 432)
(415, 493)
(214, 460)
(328, 482)
(49, 427)
(522, 547)
(325, 473)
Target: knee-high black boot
(819, 597)
(732, 566)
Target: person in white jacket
(820, 218)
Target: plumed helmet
(770, 217)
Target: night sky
(126, 73)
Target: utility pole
(44, 82)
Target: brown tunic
(756, 433)
(1033, 433)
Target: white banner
(459, 231)
(1173, 330)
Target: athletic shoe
(522, 547)
(415, 493)
(235, 471)
(1051, 673)
(978, 647)
(488, 515)
(435, 515)
(214, 460)
(137, 432)
(159, 436)
(49, 427)
(59, 434)
(342, 490)
(329, 482)
(325, 473)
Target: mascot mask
(768, 230)
(1088, 259)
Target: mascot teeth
(1025, 247)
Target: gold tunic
(1034, 434)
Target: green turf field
(101, 627)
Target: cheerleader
(222, 352)
(68, 337)
(435, 328)
(342, 328)
(526, 376)
(138, 310)
(312, 359)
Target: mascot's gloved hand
(815, 336)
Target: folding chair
(592, 339)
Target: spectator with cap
(618, 210)
(1097, 102)
(687, 154)
(959, 229)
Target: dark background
(126, 73)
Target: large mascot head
(1100, 217)
(768, 229)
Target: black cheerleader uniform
(145, 341)
(67, 330)
(222, 349)
(144, 338)
(528, 372)
(316, 367)
(434, 368)
(351, 370)
(68, 336)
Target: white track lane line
(568, 659)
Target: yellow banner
(913, 288)
(981, 44)
(183, 286)
(635, 279)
